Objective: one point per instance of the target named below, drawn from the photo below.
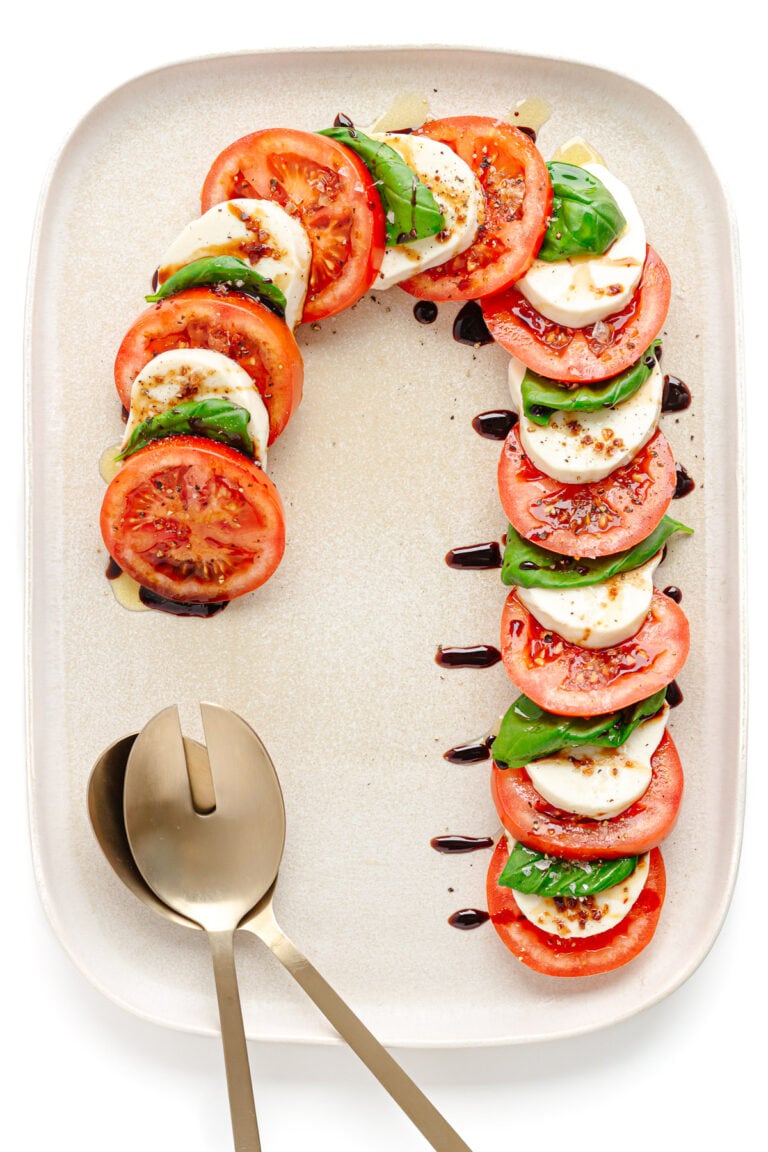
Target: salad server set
(197, 833)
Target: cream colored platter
(333, 661)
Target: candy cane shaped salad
(296, 227)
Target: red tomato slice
(587, 519)
(193, 520)
(572, 681)
(331, 191)
(518, 199)
(582, 354)
(536, 823)
(589, 956)
(238, 326)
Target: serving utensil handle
(432, 1125)
(241, 1104)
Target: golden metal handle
(432, 1125)
(241, 1106)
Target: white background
(82, 1071)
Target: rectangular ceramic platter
(333, 662)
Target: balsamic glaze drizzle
(476, 656)
(472, 753)
(475, 556)
(456, 843)
(468, 918)
(495, 425)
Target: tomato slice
(518, 199)
(571, 681)
(331, 191)
(582, 354)
(238, 326)
(534, 822)
(589, 956)
(193, 520)
(587, 519)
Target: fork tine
(236, 748)
(158, 750)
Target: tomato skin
(507, 163)
(553, 956)
(566, 518)
(331, 191)
(572, 681)
(193, 520)
(577, 362)
(532, 821)
(237, 325)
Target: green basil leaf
(229, 271)
(585, 218)
(410, 209)
(542, 397)
(527, 732)
(531, 566)
(529, 871)
(214, 418)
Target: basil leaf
(527, 732)
(542, 397)
(531, 566)
(230, 271)
(214, 418)
(410, 209)
(585, 218)
(529, 871)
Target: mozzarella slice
(183, 374)
(587, 915)
(598, 615)
(582, 447)
(458, 195)
(600, 783)
(259, 232)
(581, 290)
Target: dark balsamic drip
(124, 414)
(456, 843)
(685, 484)
(113, 570)
(469, 327)
(468, 918)
(674, 695)
(477, 656)
(528, 131)
(495, 425)
(425, 311)
(676, 396)
(673, 593)
(174, 608)
(471, 753)
(475, 556)
(344, 121)
(155, 279)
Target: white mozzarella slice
(582, 447)
(259, 232)
(598, 615)
(458, 195)
(588, 915)
(183, 374)
(600, 783)
(581, 290)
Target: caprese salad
(297, 226)
(586, 780)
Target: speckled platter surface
(332, 662)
